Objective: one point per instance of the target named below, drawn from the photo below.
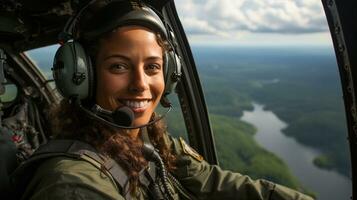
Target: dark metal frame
(341, 16)
(190, 93)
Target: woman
(128, 55)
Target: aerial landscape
(300, 85)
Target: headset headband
(142, 17)
(98, 17)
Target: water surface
(328, 185)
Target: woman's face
(129, 68)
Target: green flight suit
(67, 178)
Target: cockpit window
(43, 58)
(271, 83)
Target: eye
(153, 68)
(118, 67)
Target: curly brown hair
(69, 122)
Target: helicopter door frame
(190, 92)
(341, 15)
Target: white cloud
(229, 17)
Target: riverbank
(328, 185)
(239, 152)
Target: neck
(134, 133)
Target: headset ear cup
(71, 71)
(172, 71)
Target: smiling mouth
(135, 105)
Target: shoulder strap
(73, 149)
(78, 149)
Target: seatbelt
(73, 149)
(80, 150)
(76, 149)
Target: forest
(300, 86)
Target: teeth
(136, 104)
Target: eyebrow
(154, 58)
(128, 58)
(117, 56)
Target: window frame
(343, 30)
(190, 92)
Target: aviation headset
(73, 71)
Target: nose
(139, 80)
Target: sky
(254, 22)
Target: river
(328, 185)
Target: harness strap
(77, 150)
(83, 151)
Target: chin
(142, 118)
(140, 122)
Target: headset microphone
(121, 118)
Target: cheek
(159, 86)
(108, 84)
